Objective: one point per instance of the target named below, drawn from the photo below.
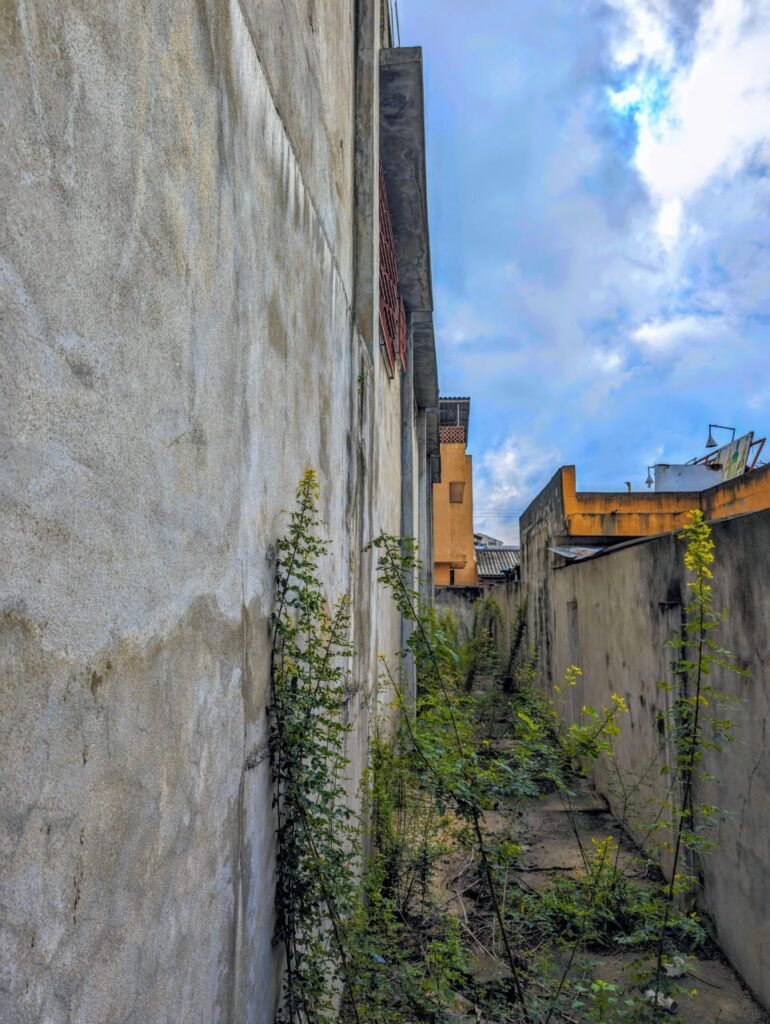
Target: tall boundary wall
(461, 602)
(189, 316)
(612, 616)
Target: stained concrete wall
(186, 328)
(561, 515)
(543, 521)
(612, 616)
(461, 602)
(509, 597)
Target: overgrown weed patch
(382, 939)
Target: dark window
(456, 491)
(451, 577)
(573, 638)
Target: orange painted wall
(747, 493)
(643, 514)
(453, 522)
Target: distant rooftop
(483, 540)
(498, 561)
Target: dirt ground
(551, 848)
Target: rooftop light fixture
(649, 481)
(711, 443)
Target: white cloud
(719, 110)
(626, 99)
(459, 322)
(645, 35)
(668, 223)
(702, 122)
(507, 478)
(613, 375)
(759, 401)
(608, 361)
(661, 335)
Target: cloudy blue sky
(599, 179)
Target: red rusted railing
(392, 313)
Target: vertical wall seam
(295, 157)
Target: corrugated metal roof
(576, 553)
(495, 561)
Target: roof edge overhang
(402, 154)
(425, 364)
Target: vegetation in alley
(317, 835)
(440, 921)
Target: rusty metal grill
(392, 313)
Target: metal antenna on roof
(398, 27)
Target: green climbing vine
(697, 720)
(316, 829)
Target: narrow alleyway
(551, 836)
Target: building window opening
(451, 577)
(456, 492)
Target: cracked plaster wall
(179, 345)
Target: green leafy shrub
(605, 909)
(317, 833)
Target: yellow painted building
(453, 545)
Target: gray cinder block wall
(189, 291)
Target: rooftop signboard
(732, 457)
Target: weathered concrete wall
(461, 602)
(541, 522)
(179, 345)
(562, 515)
(509, 597)
(612, 616)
